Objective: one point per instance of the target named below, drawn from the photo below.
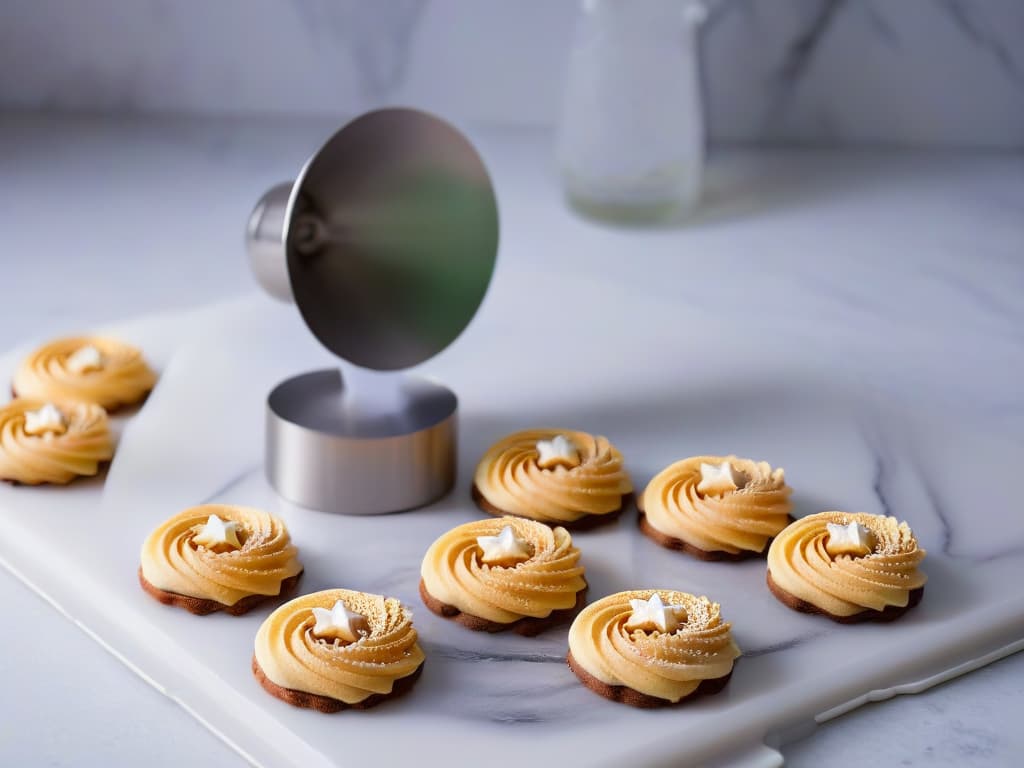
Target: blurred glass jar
(631, 140)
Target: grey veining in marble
(898, 275)
(839, 71)
(496, 689)
(922, 72)
(853, 318)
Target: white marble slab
(934, 72)
(633, 373)
(894, 276)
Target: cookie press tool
(386, 243)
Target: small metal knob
(264, 238)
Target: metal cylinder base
(321, 457)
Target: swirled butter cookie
(849, 566)
(46, 442)
(716, 507)
(506, 573)
(91, 369)
(219, 557)
(652, 647)
(555, 476)
(337, 649)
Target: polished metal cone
(386, 243)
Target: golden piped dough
(292, 657)
(843, 585)
(736, 521)
(665, 665)
(172, 561)
(548, 581)
(78, 451)
(509, 478)
(123, 379)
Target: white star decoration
(339, 623)
(720, 479)
(559, 450)
(47, 419)
(217, 531)
(851, 539)
(654, 614)
(506, 547)
(85, 359)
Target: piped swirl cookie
(507, 573)
(554, 476)
(92, 369)
(45, 442)
(849, 566)
(716, 507)
(337, 649)
(652, 647)
(219, 557)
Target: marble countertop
(103, 220)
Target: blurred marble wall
(928, 72)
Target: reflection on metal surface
(263, 237)
(320, 457)
(389, 238)
(386, 243)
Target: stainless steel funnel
(386, 242)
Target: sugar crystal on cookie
(218, 533)
(339, 623)
(559, 451)
(48, 420)
(85, 359)
(504, 549)
(720, 478)
(653, 614)
(850, 539)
